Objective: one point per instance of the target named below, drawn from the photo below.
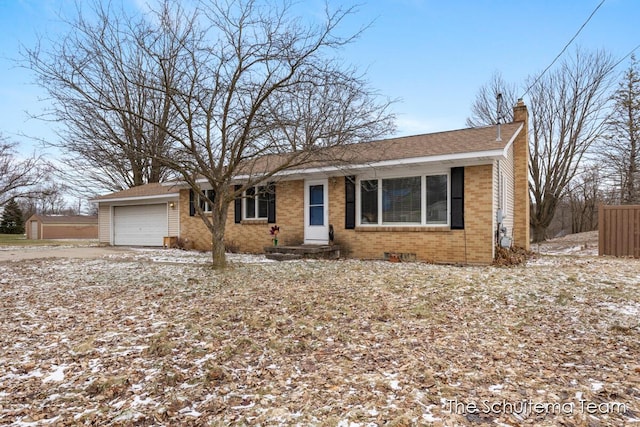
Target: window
(421, 200)
(316, 205)
(401, 200)
(204, 205)
(256, 204)
(436, 195)
(369, 201)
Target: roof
(152, 190)
(66, 219)
(433, 144)
(480, 141)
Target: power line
(563, 49)
(626, 56)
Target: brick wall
(192, 229)
(251, 236)
(521, 178)
(474, 245)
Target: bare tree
(46, 198)
(584, 194)
(99, 78)
(567, 110)
(257, 92)
(18, 175)
(484, 109)
(621, 148)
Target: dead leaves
(316, 343)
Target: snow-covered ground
(581, 244)
(157, 337)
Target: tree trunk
(542, 214)
(218, 222)
(539, 233)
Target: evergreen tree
(12, 222)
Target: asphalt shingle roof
(461, 141)
(470, 140)
(153, 189)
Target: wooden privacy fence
(619, 230)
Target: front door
(316, 212)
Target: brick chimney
(521, 178)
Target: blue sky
(431, 55)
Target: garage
(140, 225)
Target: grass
(21, 240)
(10, 239)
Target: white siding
(104, 223)
(503, 190)
(174, 218)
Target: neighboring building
(438, 197)
(40, 227)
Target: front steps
(287, 253)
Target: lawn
(21, 240)
(159, 338)
(12, 239)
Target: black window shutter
(192, 208)
(457, 198)
(212, 196)
(237, 206)
(350, 202)
(271, 203)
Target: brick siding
(474, 245)
(521, 228)
(470, 246)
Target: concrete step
(305, 251)
(277, 256)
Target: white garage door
(140, 225)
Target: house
(446, 197)
(40, 227)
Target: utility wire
(563, 49)
(626, 56)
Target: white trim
(423, 199)
(323, 230)
(510, 143)
(256, 197)
(136, 198)
(204, 205)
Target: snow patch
(626, 309)
(57, 375)
(190, 412)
